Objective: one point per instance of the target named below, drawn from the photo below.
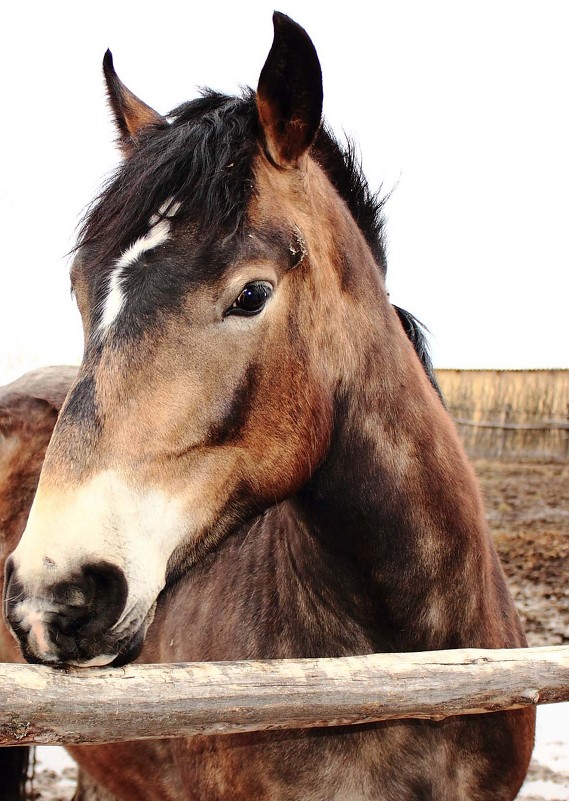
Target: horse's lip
(76, 651)
(131, 648)
(97, 661)
(128, 650)
(127, 647)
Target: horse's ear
(132, 115)
(289, 94)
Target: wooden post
(72, 705)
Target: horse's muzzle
(69, 621)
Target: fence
(517, 413)
(71, 705)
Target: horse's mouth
(129, 650)
(44, 643)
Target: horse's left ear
(131, 114)
(289, 94)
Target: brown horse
(252, 462)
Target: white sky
(463, 105)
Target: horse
(252, 461)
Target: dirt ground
(527, 505)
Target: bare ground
(527, 506)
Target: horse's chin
(129, 651)
(132, 650)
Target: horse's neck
(270, 590)
(397, 498)
(385, 549)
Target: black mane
(203, 160)
(343, 167)
(415, 331)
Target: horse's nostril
(105, 592)
(105, 579)
(89, 605)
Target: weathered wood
(72, 705)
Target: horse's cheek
(287, 459)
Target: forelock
(200, 161)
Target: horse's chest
(397, 762)
(285, 766)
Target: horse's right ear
(289, 94)
(132, 115)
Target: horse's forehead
(155, 273)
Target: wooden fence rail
(69, 706)
(545, 425)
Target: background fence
(517, 413)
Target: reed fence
(510, 413)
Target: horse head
(216, 283)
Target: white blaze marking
(159, 232)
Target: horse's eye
(251, 300)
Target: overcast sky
(462, 107)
